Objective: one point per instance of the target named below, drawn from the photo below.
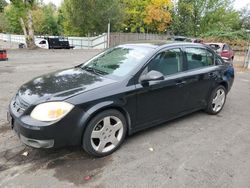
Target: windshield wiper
(94, 70)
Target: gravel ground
(195, 151)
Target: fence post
(248, 58)
(108, 34)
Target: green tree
(221, 20)
(192, 17)
(2, 5)
(134, 15)
(12, 15)
(3, 21)
(245, 17)
(23, 10)
(45, 20)
(89, 17)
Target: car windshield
(118, 61)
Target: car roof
(160, 44)
(216, 43)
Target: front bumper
(29, 141)
(66, 132)
(37, 143)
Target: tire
(216, 105)
(104, 133)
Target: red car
(223, 49)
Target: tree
(158, 15)
(202, 16)
(3, 21)
(221, 20)
(23, 9)
(12, 15)
(45, 20)
(134, 15)
(2, 5)
(245, 17)
(89, 17)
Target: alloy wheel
(107, 134)
(218, 100)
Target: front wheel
(217, 100)
(104, 133)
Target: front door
(161, 100)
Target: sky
(56, 2)
(238, 4)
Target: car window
(198, 58)
(118, 61)
(218, 60)
(226, 48)
(167, 62)
(42, 42)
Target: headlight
(51, 111)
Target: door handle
(212, 75)
(181, 83)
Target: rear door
(201, 73)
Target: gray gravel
(197, 150)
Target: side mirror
(151, 76)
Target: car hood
(61, 85)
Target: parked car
(224, 50)
(3, 55)
(122, 90)
(197, 40)
(53, 43)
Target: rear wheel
(217, 100)
(104, 133)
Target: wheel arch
(93, 111)
(225, 84)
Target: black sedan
(120, 91)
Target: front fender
(91, 112)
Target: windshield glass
(118, 61)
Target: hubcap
(218, 100)
(107, 134)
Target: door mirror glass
(152, 76)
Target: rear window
(198, 58)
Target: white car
(42, 43)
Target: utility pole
(108, 36)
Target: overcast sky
(56, 2)
(238, 3)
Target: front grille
(19, 104)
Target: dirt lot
(198, 150)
